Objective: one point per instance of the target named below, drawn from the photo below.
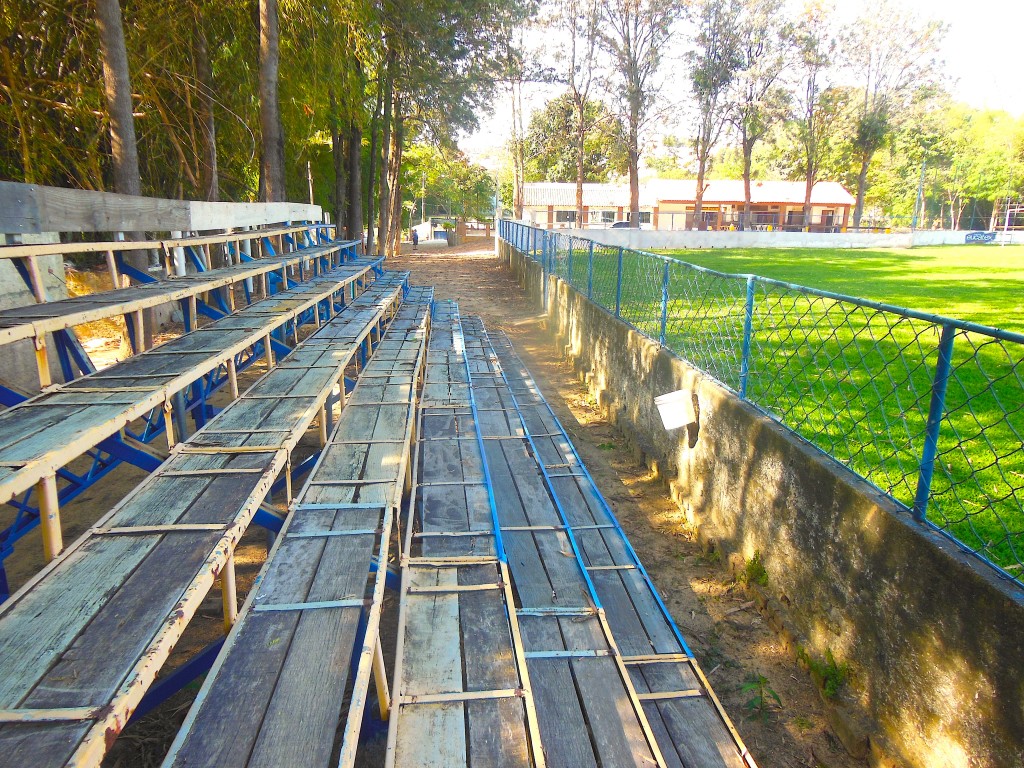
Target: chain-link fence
(927, 408)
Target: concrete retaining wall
(19, 358)
(934, 643)
(651, 240)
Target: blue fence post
(748, 324)
(936, 410)
(544, 266)
(569, 276)
(618, 286)
(590, 272)
(664, 304)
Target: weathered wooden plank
(226, 726)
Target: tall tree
(118, 90)
(551, 142)
(714, 62)
(634, 33)
(817, 105)
(760, 100)
(272, 167)
(579, 22)
(892, 53)
(207, 119)
(383, 189)
(355, 181)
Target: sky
(983, 53)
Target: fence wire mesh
(928, 409)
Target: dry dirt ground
(733, 644)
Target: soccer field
(980, 283)
(854, 381)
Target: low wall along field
(934, 642)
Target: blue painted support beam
(166, 687)
(297, 472)
(124, 452)
(267, 519)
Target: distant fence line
(927, 408)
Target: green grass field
(855, 382)
(980, 283)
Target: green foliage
(53, 125)
(551, 142)
(762, 696)
(753, 571)
(453, 186)
(831, 675)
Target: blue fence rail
(927, 408)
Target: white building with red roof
(668, 204)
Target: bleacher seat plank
(44, 433)
(276, 694)
(93, 628)
(36, 319)
(455, 639)
(691, 730)
(550, 581)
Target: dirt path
(732, 642)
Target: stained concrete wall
(647, 240)
(19, 358)
(935, 644)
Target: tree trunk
(581, 136)
(117, 88)
(385, 158)
(355, 182)
(371, 201)
(340, 177)
(272, 165)
(862, 188)
(208, 126)
(698, 204)
(748, 152)
(634, 173)
(124, 149)
(808, 189)
(395, 174)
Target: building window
(645, 217)
(565, 217)
(602, 217)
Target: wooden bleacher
(461, 681)
(277, 694)
(84, 639)
(681, 710)
(529, 633)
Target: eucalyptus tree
(759, 99)
(817, 106)
(271, 130)
(117, 88)
(578, 22)
(891, 52)
(634, 34)
(714, 62)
